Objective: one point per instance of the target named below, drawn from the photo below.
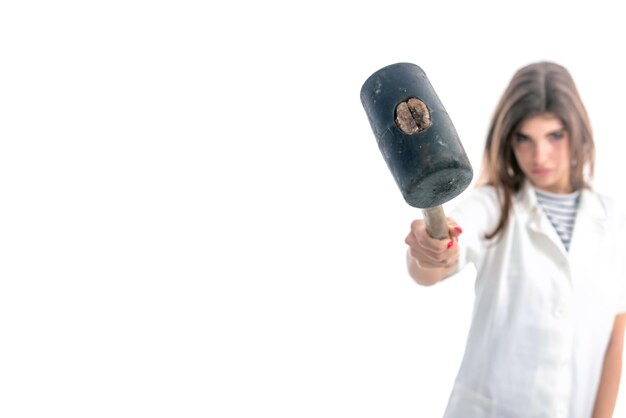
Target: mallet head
(415, 135)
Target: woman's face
(542, 148)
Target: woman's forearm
(609, 383)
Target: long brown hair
(538, 88)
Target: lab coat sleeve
(477, 214)
(620, 214)
(621, 306)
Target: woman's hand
(431, 260)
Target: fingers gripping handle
(436, 222)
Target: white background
(195, 219)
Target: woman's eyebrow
(556, 131)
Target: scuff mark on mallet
(412, 116)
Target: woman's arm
(611, 371)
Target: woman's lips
(541, 171)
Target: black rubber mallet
(417, 140)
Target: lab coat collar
(589, 227)
(590, 216)
(591, 204)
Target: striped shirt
(561, 211)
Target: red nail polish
(458, 229)
(450, 244)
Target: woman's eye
(557, 135)
(519, 138)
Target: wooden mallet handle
(436, 222)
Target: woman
(547, 330)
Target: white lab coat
(542, 316)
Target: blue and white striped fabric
(561, 211)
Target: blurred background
(196, 221)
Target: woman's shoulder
(605, 202)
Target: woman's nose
(541, 151)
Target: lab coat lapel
(537, 220)
(589, 227)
